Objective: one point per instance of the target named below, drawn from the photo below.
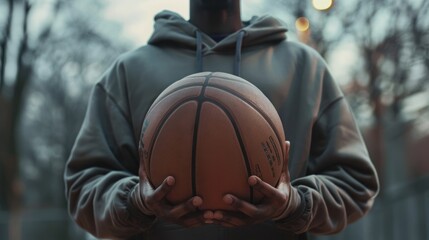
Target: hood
(173, 30)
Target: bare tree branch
(4, 43)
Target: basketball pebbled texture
(211, 131)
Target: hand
(152, 201)
(274, 204)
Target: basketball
(211, 131)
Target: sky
(138, 19)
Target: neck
(216, 21)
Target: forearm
(341, 183)
(326, 207)
(100, 204)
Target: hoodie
(329, 164)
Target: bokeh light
(302, 24)
(322, 4)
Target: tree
(57, 57)
(10, 102)
(391, 41)
(387, 89)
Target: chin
(215, 4)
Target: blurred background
(52, 51)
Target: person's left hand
(274, 204)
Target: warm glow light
(302, 24)
(322, 4)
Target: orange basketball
(211, 131)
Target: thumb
(285, 176)
(286, 147)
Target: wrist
(136, 202)
(135, 216)
(292, 205)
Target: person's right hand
(152, 201)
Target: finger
(242, 206)
(218, 215)
(208, 214)
(286, 156)
(189, 206)
(231, 219)
(208, 217)
(162, 191)
(266, 189)
(287, 147)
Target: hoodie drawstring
(199, 53)
(237, 58)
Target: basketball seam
(235, 80)
(157, 101)
(240, 141)
(159, 127)
(197, 84)
(265, 116)
(200, 100)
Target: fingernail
(170, 180)
(208, 215)
(227, 199)
(197, 201)
(253, 180)
(218, 215)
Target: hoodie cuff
(136, 215)
(294, 218)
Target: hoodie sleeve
(103, 166)
(341, 182)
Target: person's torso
(274, 70)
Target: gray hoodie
(329, 163)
